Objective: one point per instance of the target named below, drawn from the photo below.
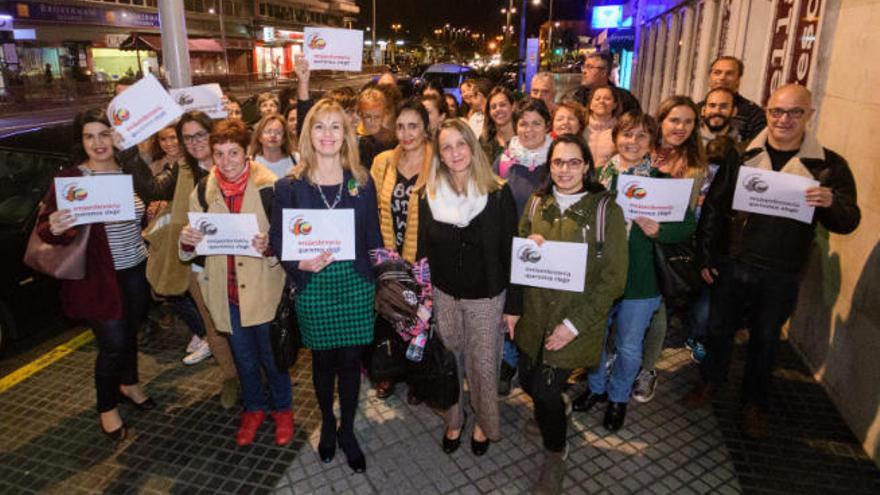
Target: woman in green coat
(559, 331)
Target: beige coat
(260, 280)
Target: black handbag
(434, 380)
(677, 271)
(388, 359)
(284, 331)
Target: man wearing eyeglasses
(727, 72)
(596, 73)
(753, 261)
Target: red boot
(250, 423)
(283, 427)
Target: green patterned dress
(336, 308)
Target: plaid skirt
(336, 308)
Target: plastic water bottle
(416, 348)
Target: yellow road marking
(44, 361)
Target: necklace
(336, 200)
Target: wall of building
(837, 323)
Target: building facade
(109, 38)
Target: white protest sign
(663, 200)
(773, 193)
(207, 98)
(225, 233)
(333, 48)
(107, 198)
(553, 265)
(308, 233)
(141, 111)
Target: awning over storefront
(153, 42)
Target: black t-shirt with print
(400, 206)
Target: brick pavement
(50, 441)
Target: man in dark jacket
(753, 261)
(595, 74)
(727, 72)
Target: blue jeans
(632, 317)
(699, 315)
(252, 351)
(186, 309)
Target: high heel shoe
(147, 405)
(327, 444)
(450, 445)
(116, 435)
(353, 453)
(478, 447)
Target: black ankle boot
(327, 444)
(614, 415)
(353, 453)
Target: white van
(449, 77)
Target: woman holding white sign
(467, 220)
(634, 136)
(334, 303)
(558, 330)
(113, 296)
(679, 154)
(243, 292)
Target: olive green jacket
(543, 309)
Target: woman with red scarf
(243, 292)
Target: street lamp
(396, 27)
(508, 11)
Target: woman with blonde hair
(270, 145)
(376, 110)
(268, 104)
(334, 304)
(602, 112)
(466, 226)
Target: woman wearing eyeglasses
(559, 331)
(270, 145)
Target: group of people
(454, 183)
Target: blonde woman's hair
(264, 97)
(256, 147)
(348, 155)
(485, 180)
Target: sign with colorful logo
(777, 194)
(225, 233)
(333, 48)
(94, 199)
(141, 111)
(552, 265)
(206, 98)
(308, 233)
(663, 200)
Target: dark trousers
(116, 363)
(765, 299)
(189, 313)
(545, 385)
(343, 364)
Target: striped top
(126, 243)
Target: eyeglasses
(795, 113)
(273, 133)
(570, 164)
(594, 67)
(192, 138)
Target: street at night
(447, 247)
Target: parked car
(29, 161)
(449, 77)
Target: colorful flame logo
(120, 115)
(633, 191)
(75, 193)
(316, 42)
(299, 226)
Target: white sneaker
(193, 344)
(202, 352)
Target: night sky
(421, 17)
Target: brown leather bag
(61, 261)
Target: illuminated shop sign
(73, 14)
(607, 16)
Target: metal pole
(373, 34)
(522, 45)
(550, 32)
(175, 51)
(223, 39)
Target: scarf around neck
(447, 206)
(517, 154)
(233, 192)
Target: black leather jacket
(769, 242)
